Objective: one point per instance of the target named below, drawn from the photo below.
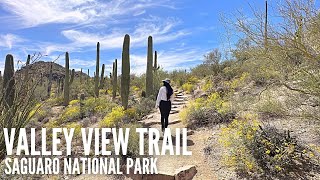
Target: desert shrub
(131, 114)
(114, 118)
(77, 128)
(277, 152)
(234, 138)
(263, 151)
(144, 107)
(188, 87)
(207, 86)
(271, 108)
(70, 113)
(58, 101)
(98, 106)
(236, 83)
(133, 143)
(74, 102)
(203, 112)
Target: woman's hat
(167, 80)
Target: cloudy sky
(183, 30)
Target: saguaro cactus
(149, 73)
(8, 81)
(96, 82)
(50, 80)
(156, 78)
(125, 75)
(66, 89)
(102, 77)
(81, 76)
(67, 82)
(88, 76)
(115, 79)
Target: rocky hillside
(42, 68)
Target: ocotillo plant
(96, 82)
(8, 81)
(50, 80)
(149, 73)
(25, 84)
(125, 75)
(115, 79)
(67, 82)
(102, 77)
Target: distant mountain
(42, 67)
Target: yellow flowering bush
(251, 148)
(234, 138)
(77, 128)
(74, 102)
(70, 113)
(237, 82)
(188, 87)
(99, 106)
(114, 118)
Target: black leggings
(165, 108)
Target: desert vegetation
(261, 101)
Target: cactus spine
(96, 82)
(67, 82)
(149, 73)
(125, 75)
(102, 77)
(8, 81)
(115, 79)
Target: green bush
(133, 145)
(144, 107)
(271, 108)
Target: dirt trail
(169, 164)
(196, 142)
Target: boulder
(185, 173)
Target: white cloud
(169, 60)
(8, 40)
(33, 13)
(162, 31)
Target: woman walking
(164, 98)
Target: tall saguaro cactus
(81, 75)
(67, 82)
(50, 80)
(125, 75)
(96, 80)
(88, 78)
(149, 73)
(115, 79)
(156, 78)
(102, 77)
(66, 89)
(8, 81)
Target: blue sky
(183, 30)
